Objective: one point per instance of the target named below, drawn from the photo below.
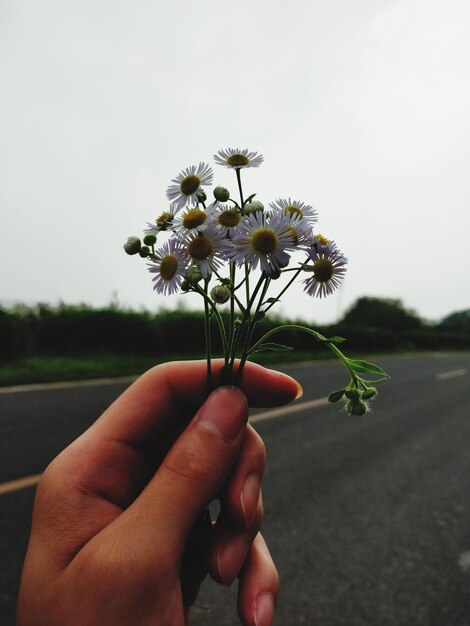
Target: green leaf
(271, 300)
(333, 339)
(259, 316)
(275, 347)
(249, 199)
(364, 367)
(336, 395)
(369, 393)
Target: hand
(119, 534)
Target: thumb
(194, 470)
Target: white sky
(360, 107)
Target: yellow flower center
(163, 218)
(200, 248)
(229, 218)
(323, 270)
(194, 218)
(237, 160)
(264, 240)
(168, 266)
(322, 240)
(190, 184)
(293, 210)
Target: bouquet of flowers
(236, 251)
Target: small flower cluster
(212, 236)
(214, 241)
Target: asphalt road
(368, 519)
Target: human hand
(118, 533)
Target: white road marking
(451, 374)
(30, 481)
(464, 562)
(19, 483)
(291, 408)
(68, 384)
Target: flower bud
(356, 407)
(369, 393)
(201, 195)
(185, 286)
(150, 239)
(253, 207)
(193, 275)
(132, 245)
(221, 194)
(220, 294)
(352, 394)
(144, 252)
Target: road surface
(368, 518)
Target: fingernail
(225, 412)
(264, 609)
(230, 558)
(249, 498)
(300, 391)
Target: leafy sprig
(234, 252)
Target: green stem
(239, 181)
(282, 292)
(317, 336)
(207, 328)
(251, 329)
(246, 318)
(232, 314)
(237, 300)
(220, 322)
(247, 283)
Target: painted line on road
(291, 408)
(19, 483)
(68, 384)
(451, 374)
(31, 481)
(464, 562)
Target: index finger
(177, 390)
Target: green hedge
(82, 330)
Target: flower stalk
(197, 247)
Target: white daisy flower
(164, 221)
(171, 262)
(192, 221)
(236, 158)
(226, 219)
(188, 184)
(207, 249)
(327, 269)
(320, 243)
(295, 207)
(300, 230)
(262, 239)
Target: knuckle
(255, 526)
(51, 483)
(256, 450)
(188, 466)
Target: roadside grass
(45, 369)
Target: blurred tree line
(370, 325)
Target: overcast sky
(360, 107)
